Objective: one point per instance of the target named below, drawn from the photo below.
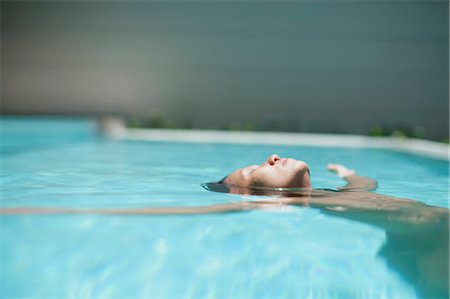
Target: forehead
(233, 177)
(236, 177)
(242, 176)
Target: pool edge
(116, 128)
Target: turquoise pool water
(290, 252)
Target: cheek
(267, 179)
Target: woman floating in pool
(289, 182)
(417, 235)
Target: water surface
(288, 252)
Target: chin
(303, 176)
(306, 181)
(302, 165)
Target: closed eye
(253, 168)
(250, 169)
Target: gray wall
(327, 66)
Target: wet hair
(219, 186)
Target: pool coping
(116, 129)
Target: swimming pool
(291, 252)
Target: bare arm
(354, 181)
(212, 209)
(359, 182)
(225, 208)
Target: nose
(273, 158)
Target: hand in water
(341, 170)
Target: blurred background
(365, 67)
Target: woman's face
(275, 172)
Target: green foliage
(399, 131)
(237, 126)
(377, 131)
(134, 123)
